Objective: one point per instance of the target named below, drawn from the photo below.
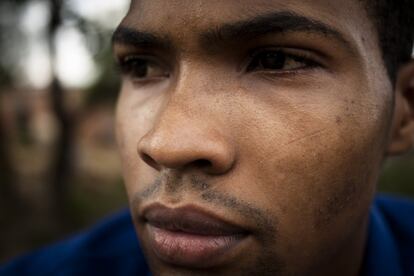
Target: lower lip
(191, 250)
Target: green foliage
(398, 176)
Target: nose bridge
(185, 106)
(185, 134)
(176, 120)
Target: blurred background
(59, 168)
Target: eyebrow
(260, 25)
(131, 37)
(278, 22)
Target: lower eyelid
(295, 77)
(289, 73)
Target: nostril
(202, 163)
(149, 160)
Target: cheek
(323, 175)
(329, 167)
(317, 166)
(133, 121)
(318, 152)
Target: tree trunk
(8, 193)
(62, 165)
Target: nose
(180, 141)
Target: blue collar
(381, 253)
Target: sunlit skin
(281, 132)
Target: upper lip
(189, 219)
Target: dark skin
(280, 129)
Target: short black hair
(394, 21)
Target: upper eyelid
(120, 53)
(152, 59)
(289, 51)
(125, 57)
(306, 55)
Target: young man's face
(251, 133)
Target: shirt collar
(381, 253)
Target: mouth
(191, 237)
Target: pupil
(140, 68)
(274, 60)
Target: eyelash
(128, 64)
(296, 55)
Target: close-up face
(251, 133)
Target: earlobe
(402, 136)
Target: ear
(402, 135)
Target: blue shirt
(111, 247)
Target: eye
(142, 68)
(280, 61)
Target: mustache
(174, 184)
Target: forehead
(187, 17)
